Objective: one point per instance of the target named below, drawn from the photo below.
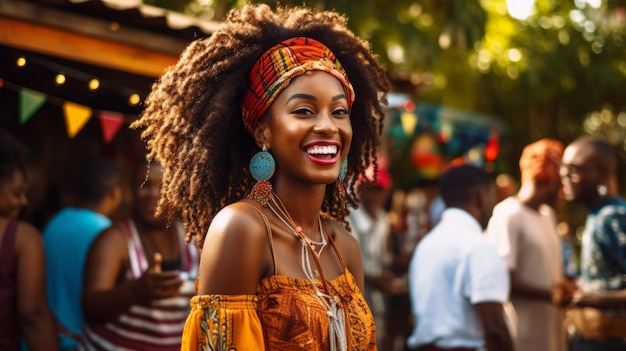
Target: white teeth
(322, 150)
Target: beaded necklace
(279, 211)
(337, 328)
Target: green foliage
(544, 76)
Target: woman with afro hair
(262, 131)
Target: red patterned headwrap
(273, 71)
(540, 160)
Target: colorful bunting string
(76, 116)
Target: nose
(326, 124)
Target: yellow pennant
(76, 116)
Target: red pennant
(110, 123)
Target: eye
(341, 112)
(302, 111)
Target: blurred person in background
(457, 281)
(413, 215)
(69, 233)
(596, 318)
(370, 225)
(23, 308)
(523, 228)
(138, 277)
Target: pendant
(315, 250)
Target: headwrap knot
(273, 71)
(541, 159)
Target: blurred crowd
(88, 279)
(465, 262)
(476, 262)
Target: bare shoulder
(340, 234)
(110, 240)
(235, 251)
(238, 221)
(27, 237)
(25, 229)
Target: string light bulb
(134, 99)
(21, 62)
(94, 84)
(60, 79)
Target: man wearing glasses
(596, 319)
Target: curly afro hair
(192, 121)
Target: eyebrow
(313, 98)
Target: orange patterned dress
(284, 315)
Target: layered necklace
(337, 328)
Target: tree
(551, 74)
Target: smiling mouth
(322, 152)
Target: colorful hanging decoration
(110, 123)
(492, 149)
(76, 116)
(30, 102)
(426, 156)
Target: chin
(324, 177)
(13, 214)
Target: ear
(604, 176)
(480, 199)
(112, 201)
(262, 135)
(118, 195)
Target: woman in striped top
(137, 279)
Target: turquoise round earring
(342, 175)
(262, 167)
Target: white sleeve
(488, 275)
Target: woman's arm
(102, 298)
(106, 293)
(35, 318)
(614, 299)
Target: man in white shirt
(523, 228)
(457, 280)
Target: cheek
(345, 129)
(6, 195)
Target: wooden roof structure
(123, 43)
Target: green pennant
(30, 102)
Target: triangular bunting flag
(75, 117)
(30, 102)
(110, 123)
